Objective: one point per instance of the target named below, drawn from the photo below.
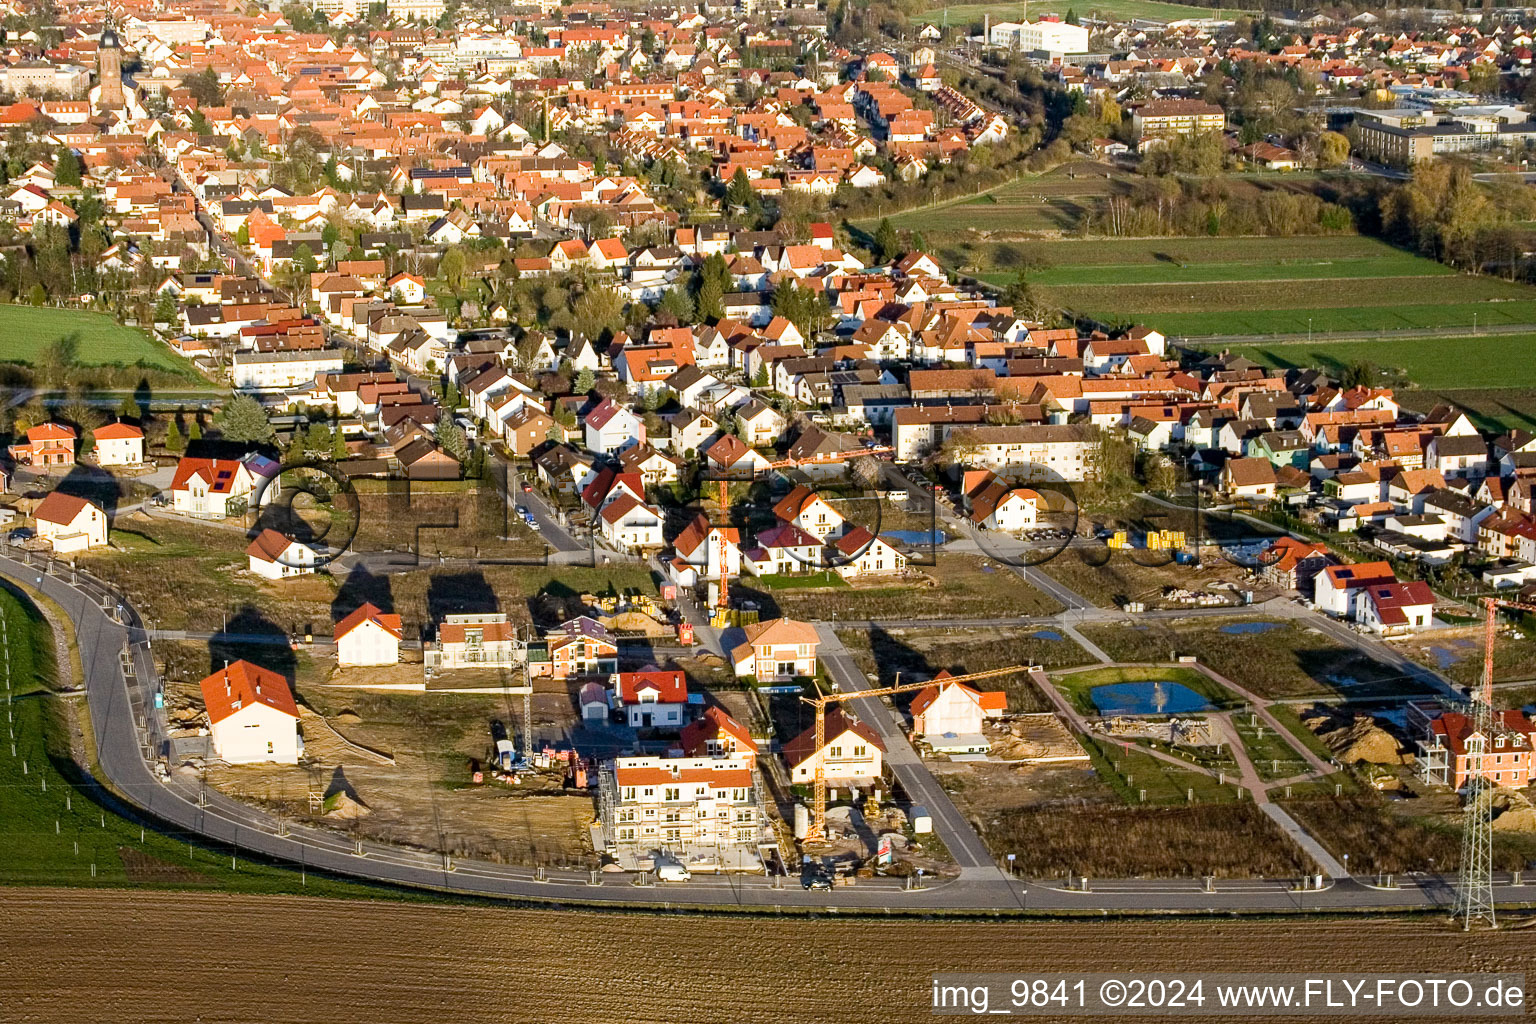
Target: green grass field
(1488, 361)
(25, 330)
(61, 829)
(1285, 305)
(1492, 377)
(1114, 10)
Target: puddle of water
(1046, 634)
(1249, 627)
(1444, 657)
(1147, 698)
(916, 537)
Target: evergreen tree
(739, 193)
(166, 308)
(451, 438)
(195, 429)
(711, 301)
(244, 420)
(678, 302)
(887, 245)
(128, 408)
(66, 168)
(174, 442)
(339, 445)
(586, 380)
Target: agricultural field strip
(410, 963)
(1463, 363)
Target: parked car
(672, 871)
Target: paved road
(129, 734)
(964, 845)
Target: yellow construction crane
(818, 826)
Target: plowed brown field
(127, 957)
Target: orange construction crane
(721, 543)
(834, 457)
(818, 826)
(1490, 629)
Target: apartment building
(1162, 119)
(682, 802)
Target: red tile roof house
(70, 523)
(273, 556)
(717, 734)
(47, 444)
(1389, 609)
(119, 444)
(950, 715)
(653, 698)
(368, 637)
(1448, 740)
(851, 752)
(777, 650)
(252, 715)
(1336, 587)
(223, 487)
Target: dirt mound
(349, 717)
(1362, 740)
(1513, 812)
(635, 622)
(343, 806)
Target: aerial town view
(773, 510)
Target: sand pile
(349, 717)
(343, 806)
(1513, 812)
(1360, 739)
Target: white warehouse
(1046, 35)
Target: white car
(672, 871)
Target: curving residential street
(129, 731)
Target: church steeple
(109, 69)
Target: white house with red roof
(810, 512)
(368, 637)
(1335, 587)
(699, 546)
(274, 556)
(784, 548)
(949, 716)
(1389, 609)
(610, 427)
(70, 523)
(630, 524)
(851, 752)
(221, 487)
(410, 288)
(730, 457)
(653, 698)
(119, 444)
(861, 553)
(252, 715)
(717, 734)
